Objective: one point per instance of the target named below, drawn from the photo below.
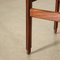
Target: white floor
(45, 44)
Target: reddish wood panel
(44, 14)
(59, 0)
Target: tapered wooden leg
(55, 26)
(57, 10)
(28, 26)
(28, 34)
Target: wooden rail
(43, 14)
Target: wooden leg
(55, 26)
(57, 10)
(28, 26)
(28, 34)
